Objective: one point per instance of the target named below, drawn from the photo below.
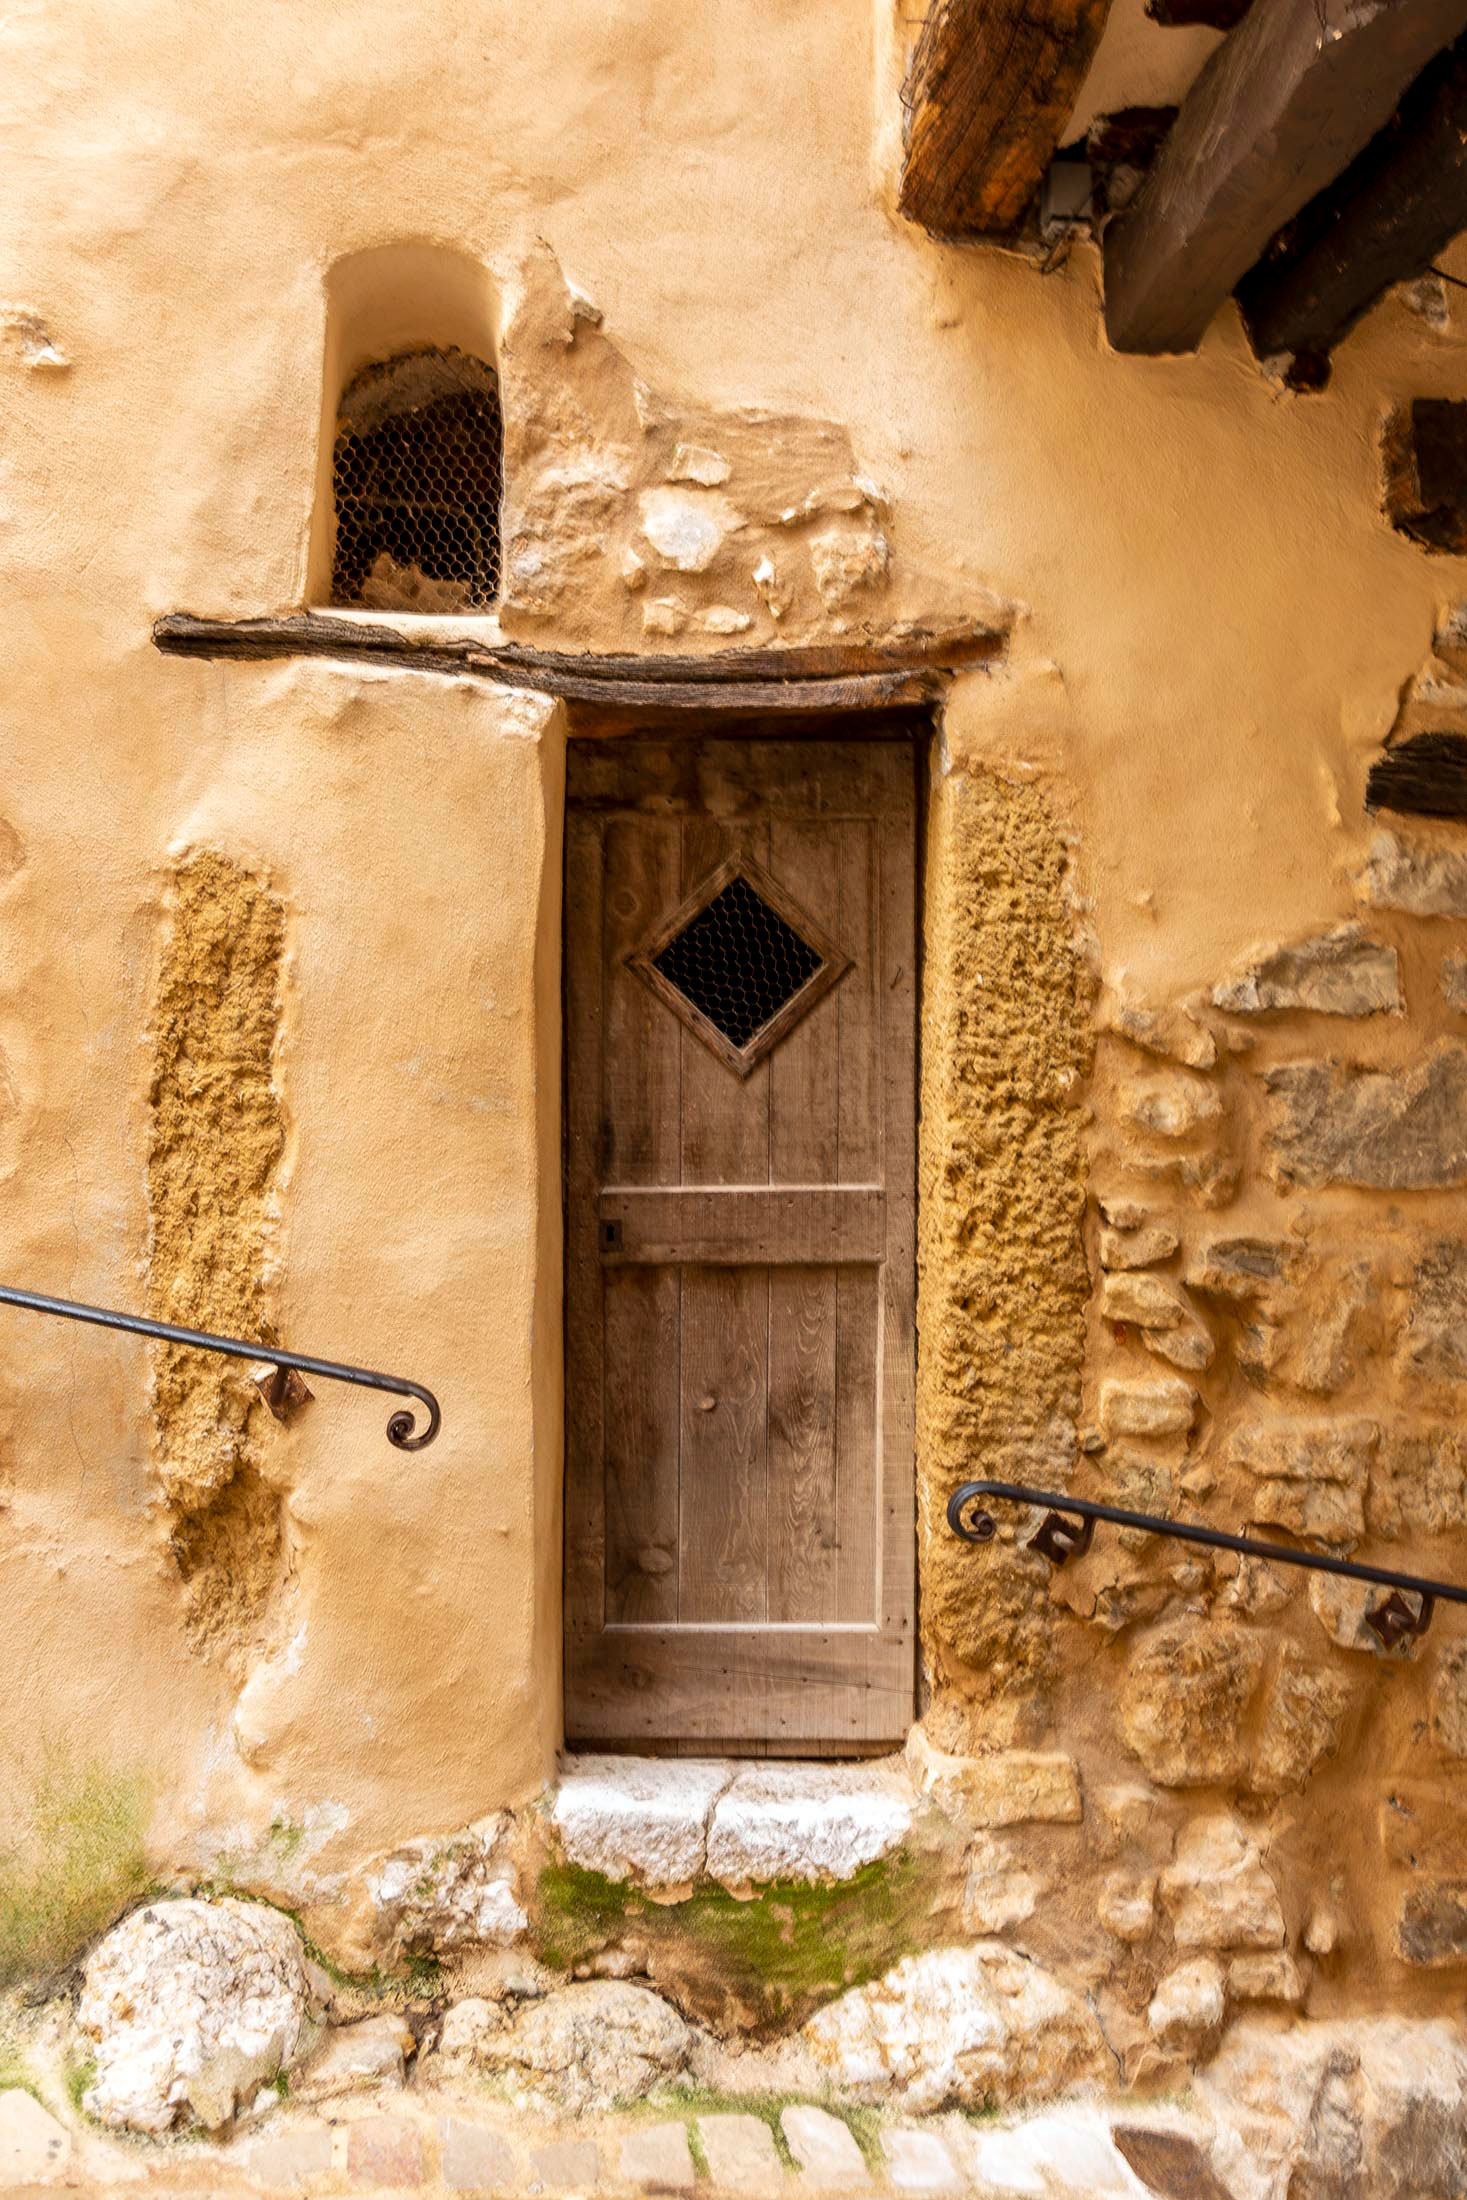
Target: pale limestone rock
(970, 2027)
(1060, 2150)
(721, 618)
(1341, 973)
(696, 462)
(1239, 1267)
(1431, 1929)
(847, 561)
(1173, 1033)
(1373, 2108)
(1184, 1699)
(189, 2007)
(1454, 982)
(1189, 1346)
(1126, 1906)
(918, 2160)
(741, 2154)
(1009, 1787)
(1172, 1110)
(371, 2052)
(1161, 1405)
(1303, 1711)
(1311, 1474)
(807, 1822)
(1141, 1247)
(824, 2148)
(1386, 1129)
(1217, 1891)
(1449, 1699)
(1148, 1302)
(1424, 880)
(664, 615)
(1186, 2012)
(777, 595)
(1419, 1486)
(1123, 1212)
(33, 2146)
(1342, 1608)
(1265, 1975)
(687, 528)
(1322, 1931)
(285, 2157)
(640, 1818)
(583, 2047)
(453, 1892)
(999, 1890)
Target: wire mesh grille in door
(418, 478)
(738, 962)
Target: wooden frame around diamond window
(832, 967)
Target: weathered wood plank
(1396, 206)
(1213, 15)
(724, 1571)
(1424, 775)
(989, 90)
(856, 677)
(1288, 99)
(768, 1684)
(803, 1517)
(720, 1226)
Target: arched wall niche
(380, 302)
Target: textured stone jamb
(1002, 1279)
(217, 1136)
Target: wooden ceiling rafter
(1287, 101)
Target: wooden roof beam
(1286, 102)
(991, 85)
(1393, 210)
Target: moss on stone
(778, 1954)
(81, 1865)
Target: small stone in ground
(32, 2143)
(474, 2159)
(566, 2163)
(289, 2155)
(658, 2159)
(918, 2161)
(384, 2150)
(372, 2052)
(824, 2147)
(1065, 2150)
(742, 2156)
(1169, 2162)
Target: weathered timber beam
(1213, 15)
(1424, 775)
(794, 679)
(1396, 206)
(990, 88)
(1288, 99)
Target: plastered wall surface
(682, 212)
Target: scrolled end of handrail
(968, 1515)
(403, 1430)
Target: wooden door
(740, 945)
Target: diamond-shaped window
(740, 963)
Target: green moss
(15, 2073)
(782, 1952)
(80, 2076)
(82, 1864)
(701, 2100)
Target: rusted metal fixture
(402, 1429)
(1069, 1524)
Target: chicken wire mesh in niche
(740, 963)
(417, 480)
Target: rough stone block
(638, 1817)
(1265, 1975)
(1434, 1350)
(1162, 1405)
(1449, 1699)
(384, 2150)
(1341, 973)
(1126, 1906)
(1147, 1302)
(474, 2158)
(1454, 983)
(1064, 2150)
(33, 2146)
(1303, 1711)
(1432, 1929)
(658, 2159)
(290, 2154)
(1424, 879)
(1000, 1890)
(372, 2052)
(1143, 1247)
(1010, 1787)
(807, 1822)
(1386, 1129)
(1311, 1476)
(1239, 1267)
(1419, 1486)
(1343, 1610)
(920, 2161)
(1184, 1700)
(1177, 1108)
(825, 2149)
(1188, 2007)
(1217, 1891)
(741, 2153)
(1169, 2163)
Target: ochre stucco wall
(682, 214)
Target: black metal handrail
(1061, 1536)
(402, 1429)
